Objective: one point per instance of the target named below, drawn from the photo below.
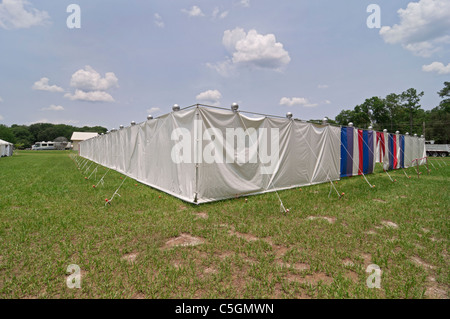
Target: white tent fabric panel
(308, 154)
(6, 148)
(143, 152)
(409, 157)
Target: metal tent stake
(108, 201)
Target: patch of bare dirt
(138, 295)
(348, 262)
(312, 279)
(201, 215)
(225, 255)
(367, 259)
(249, 260)
(247, 237)
(379, 200)
(420, 262)
(131, 257)
(352, 275)
(436, 293)
(331, 220)
(390, 224)
(184, 240)
(370, 232)
(177, 264)
(210, 271)
(279, 251)
(296, 266)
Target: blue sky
(131, 58)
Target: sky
(118, 61)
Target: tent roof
(81, 136)
(2, 142)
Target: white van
(43, 146)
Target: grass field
(51, 217)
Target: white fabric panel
(143, 152)
(408, 151)
(422, 151)
(375, 149)
(308, 154)
(415, 148)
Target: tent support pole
(196, 150)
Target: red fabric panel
(395, 152)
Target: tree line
(395, 112)
(23, 136)
(403, 112)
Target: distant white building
(78, 137)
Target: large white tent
(6, 148)
(202, 154)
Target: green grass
(51, 217)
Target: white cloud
(42, 85)
(300, 101)
(1, 100)
(194, 12)
(1, 118)
(153, 110)
(244, 3)
(323, 86)
(220, 15)
(438, 67)
(252, 50)
(91, 96)
(224, 68)
(88, 79)
(159, 21)
(19, 14)
(211, 97)
(424, 26)
(327, 102)
(91, 86)
(53, 108)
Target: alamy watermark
(74, 280)
(374, 20)
(235, 146)
(374, 280)
(74, 19)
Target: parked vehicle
(39, 146)
(436, 150)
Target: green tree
(23, 135)
(411, 99)
(6, 134)
(393, 109)
(445, 94)
(344, 117)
